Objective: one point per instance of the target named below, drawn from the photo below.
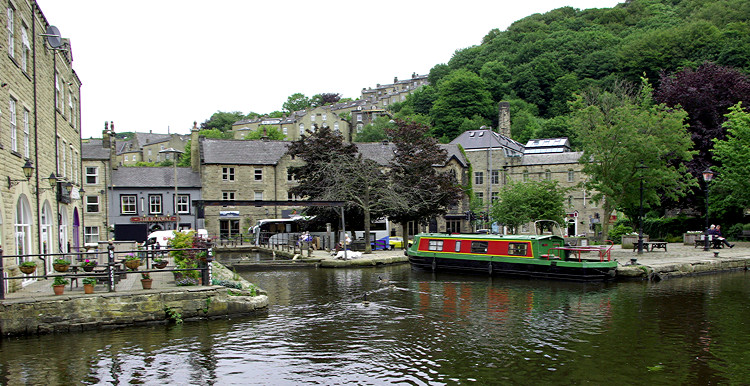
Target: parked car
(162, 237)
(396, 242)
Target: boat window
(478, 247)
(517, 249)
(436, 245)
(458, 245)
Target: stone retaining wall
(663, 271)
(74, 313)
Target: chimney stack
(195, 148)
(503, 119)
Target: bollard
(2, 276)
(110, 271)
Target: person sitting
(717, 235)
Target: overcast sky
(161, 64)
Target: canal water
(422, 328)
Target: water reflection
(421, 328)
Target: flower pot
(146, 283)
(88, 268)
(59, 289)
(27, 270)
(132, 264)
(88, 288)
(160, 264)
(61, 267)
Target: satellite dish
(53, 36)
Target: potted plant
(89, 265)
(88, 285)
(160, 263)
(59, 285)
(132, 261)
(28, 267)
(61, 265)
(146, 280)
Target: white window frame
(258, 174)
(13, 126)
(92, 202)
(227, 196)
(26, 48)
(11, 31)
(92, 172)
(227, 173)
(26, 135)
(183, 203)
(258, 195)
(155, 204)
(90, 235)
(125, 202)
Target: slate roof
(93, 150)
(570, 157)
(383, 153)
(241, 152)
(482, 139)
(157, 177)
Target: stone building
(97, 157)
(385, 95)
(145, 147)
(40, 129)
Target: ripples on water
(421, 328)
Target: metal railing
(111, 267)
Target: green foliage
(271, 132)
(61, 262)
(89, 280)
(227, 283)
(733, 171)
(215, 134)
(461, 94)
(222, 121)
(59, 280)
(28, 264)
(375, 132)
(296, 102)
(173, 315)
(616, 233)
(523, 202)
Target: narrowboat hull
(528, 256)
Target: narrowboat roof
(483, 236)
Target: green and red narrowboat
(543, 256)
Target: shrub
(28, 264)
(615, 234)
(59, 280)
(61, 261)
(89, 280)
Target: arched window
(336, 126)
(301, 128)
(45, 222)
(63, 230)
(22, 228)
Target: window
(227, 196)
(359, 117)
(571, 176)
(13, 131)
(26, 133)
(493, 196)
(58, 91)
(11, 29)
(128, 204)
(285, 131)
(25, 49)
(547, 175)
(525, 176)
(258, 174)
(227, 174)
(73, 112)
(229, 228)
(258, 196)
(495, 177)
(478, 247)
(335, 126)
(312, 117)
(458, 245)
(480, 197)
(517, 249)
(149, 152)
(289, 175)
(70, 104)
(435, 245)
(478, 178)
(91, 235)
(183, 203)
(291, 197)
(126, 158)
(325, 116)
(301, 128)
(359, 127)
(92, 204)
(154, 204)
(92, 174)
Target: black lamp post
(708, 175)
(640, 212)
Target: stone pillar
(503, 119)
(195, 148)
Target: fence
(111, 268)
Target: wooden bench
(651, 245)
(714, 243)
(745, 234)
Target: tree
(733, 155)
(185, 157)
(622, 130)
(461, 94)
(267, 131)
(222, 121)
(333, 171)
(413, 176)
(296, 102)
(375, 131)
(324, 99)
(523, 202)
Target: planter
(61, 267)
(132, 264)
(88, 268)
(27, 270)
(689, 238)
(59, 289)
(88, 288)
(160, 264)
(629, 240)
(146, 283)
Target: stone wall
(81, 312)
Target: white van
(162, 237)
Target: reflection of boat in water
(544, 256)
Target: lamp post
(708, 175)
(640, 168)
(175, 153)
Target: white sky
(162, 64)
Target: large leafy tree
(324, 99)
(461, 94)
(222, 121)
(296, 102)
(523, 202)
(267, 131)
(427, 191)
(625, 137)
(733, 155)
(375, 131)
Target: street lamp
(175, 153)
(640, 168)
(708, 175)
(28, 170)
